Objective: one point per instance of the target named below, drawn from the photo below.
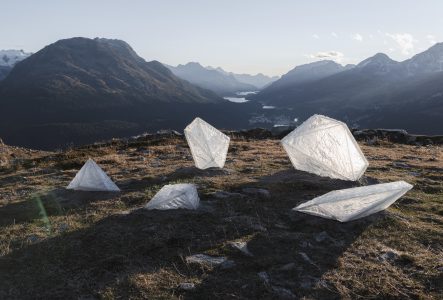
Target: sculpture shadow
(133, 252)
(291, 251)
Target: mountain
(8, 58)
(4, 71)
(80, 68)
(214, 80)
(307, 73)
(11, 57)
(79, 90)
(259, 80)
(378, 92)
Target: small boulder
(206, 260)
(186, 286)
(242, 247)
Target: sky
(242, 36)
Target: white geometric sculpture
(92, 178)
(325, 147)
(173, 196)
(209, 146)
(354, 203)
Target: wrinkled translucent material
(325, 147)
(173, 196)
(92, 178)
(350, 204)
(209, 146)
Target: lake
(241, 98)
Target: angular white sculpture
(354, 203)
(173, 196)
(325, 147)
(92, 178)
(209, 146)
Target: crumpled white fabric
(325, 147)
(92, 178)
(354, 203)
(208, 145)
(174, 196)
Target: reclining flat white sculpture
(354, 203)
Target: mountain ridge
(377, 92)
(221, 83)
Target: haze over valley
(81, 90)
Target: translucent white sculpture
(209, 146)
(92, 178)
(354, 203)
(325, 147)
(175, 196)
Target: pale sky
(243, 36)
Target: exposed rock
(242, 247)
(264, 276)
(396, 136)
(288, 267)
(401, 165)
(168, 132)
(33, 239)
(63, 227)
(389, 255)
(322, 236)
(257, 133)
(206, 260)
(186, 286)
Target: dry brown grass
(63, 244)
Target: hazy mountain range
(259, 80)
(213, 80)
(79, 90)
(218, 80)
(378, 92)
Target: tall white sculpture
(209, 146)
(325, 147)
(92, 178)
(175, 196)
(354, 203)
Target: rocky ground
(243, 243)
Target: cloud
(328, 55)
(357, 37)
(334, 35)
(431, 39)
(315, 36)
(404, 41)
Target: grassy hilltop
(56, 243)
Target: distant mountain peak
(98, 68)
(8, 58)
(377, 59)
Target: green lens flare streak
(42, 213)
